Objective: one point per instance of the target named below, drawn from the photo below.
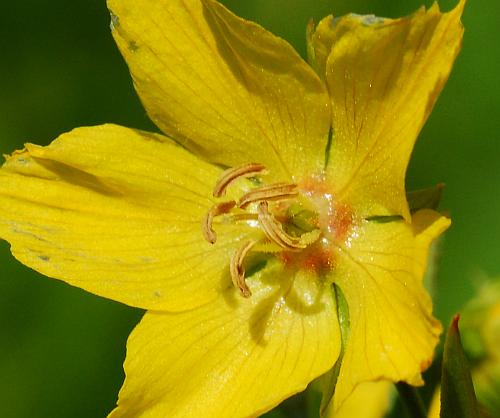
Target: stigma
(296, 221)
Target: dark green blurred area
(61, 349)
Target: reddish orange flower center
(300, 222)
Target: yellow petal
(223, 86)
(320, 39)
(368, 400)
(392, 331)
(116, 212)
(384, 77)
(233, 357)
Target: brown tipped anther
(274, 231)
(238, 271)
(273, 192)
(216, 210)
(244, 217)
(234, 173)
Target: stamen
(231, 174)
(244, 217)
(238, 271)
(216, 210)
(273, 192)
(274, 231)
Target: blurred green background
(61, 349)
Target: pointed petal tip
(221, 107)
(459, 8)
(442, 35)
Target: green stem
(412, 400)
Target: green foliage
(458, 399)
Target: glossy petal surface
(392, 331)
(384, 77)
(117, 212)
(225, 87)
(233, 357)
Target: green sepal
(328, 381)
(458, 399)
(425, 198)
(384, 219)
(419, 199)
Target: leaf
(458, 399)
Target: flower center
(297, 221)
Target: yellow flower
(137, 218)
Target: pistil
(274, 230)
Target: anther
(237, 217)
(216, 210)
(274, 231)
(273, 192)
(232, 174)
(238, 271)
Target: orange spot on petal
(318, 261)
(286, 258)
(315, 185)
(315, 259)
(341, 220)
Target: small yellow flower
(232, 236)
